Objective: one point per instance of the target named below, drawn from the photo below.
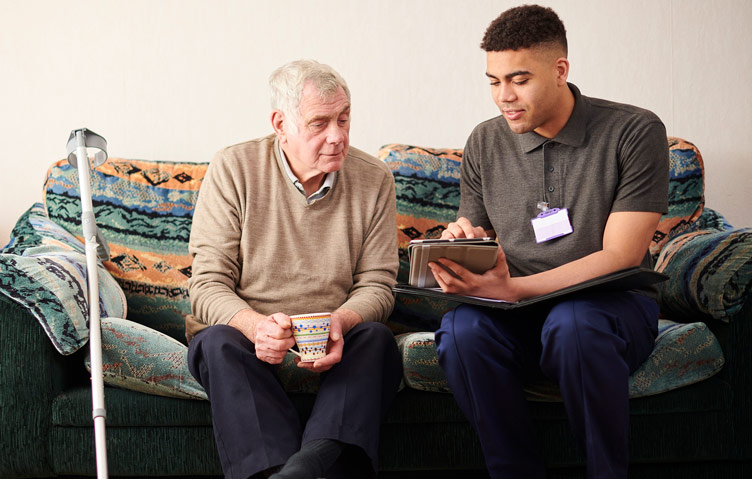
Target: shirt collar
(574, 131)
(318, 194)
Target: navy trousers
(256, 425)
(589, 344)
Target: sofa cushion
(428, 196)
(683, 354)
(144, 209)
(34, 228)
(43, 268)
(686, 198)
(711, 273)
(139, 358)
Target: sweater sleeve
(214, 245)
(376, 270)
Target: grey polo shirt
(608, 157)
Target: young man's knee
(572, 319)
(461, 329)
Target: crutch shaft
(88, 226)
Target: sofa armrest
(711, 280)
(735, 337)
(32, 373)
(711, 275)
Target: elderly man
(574, 188)
(295, 222)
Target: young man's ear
(278, 123)
(562, 71)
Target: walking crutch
(78, 157)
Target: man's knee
(581, 331)
(570, 322)
(373, 337)
(461, 328)
(219, 343)
(374, 331)
(216, 337)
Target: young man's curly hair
(524, 27)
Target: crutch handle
(91, 140)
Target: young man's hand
(462, 228)
(496, 283)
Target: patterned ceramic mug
(311, 332)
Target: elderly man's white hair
(287, 82)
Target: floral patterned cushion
(139, 358)
(43, 269)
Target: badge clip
(551, 223)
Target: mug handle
(295, 352)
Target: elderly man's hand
(341, 320)
(272, 335)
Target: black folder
(625, 279)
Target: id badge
(551, 224)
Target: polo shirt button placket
(549, 147)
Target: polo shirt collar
(574, 131)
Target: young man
(296, 222)
(604, 165)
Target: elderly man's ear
(278, 123)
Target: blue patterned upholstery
(711, 272)
(43, 268)
(145, 211)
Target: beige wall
(177, 80)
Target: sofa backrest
(686, 193)
(145, 210)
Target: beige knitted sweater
(256, 242)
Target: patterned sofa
(691, 399)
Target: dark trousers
(589, 344)
(255, 424)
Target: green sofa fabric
(702, 429)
